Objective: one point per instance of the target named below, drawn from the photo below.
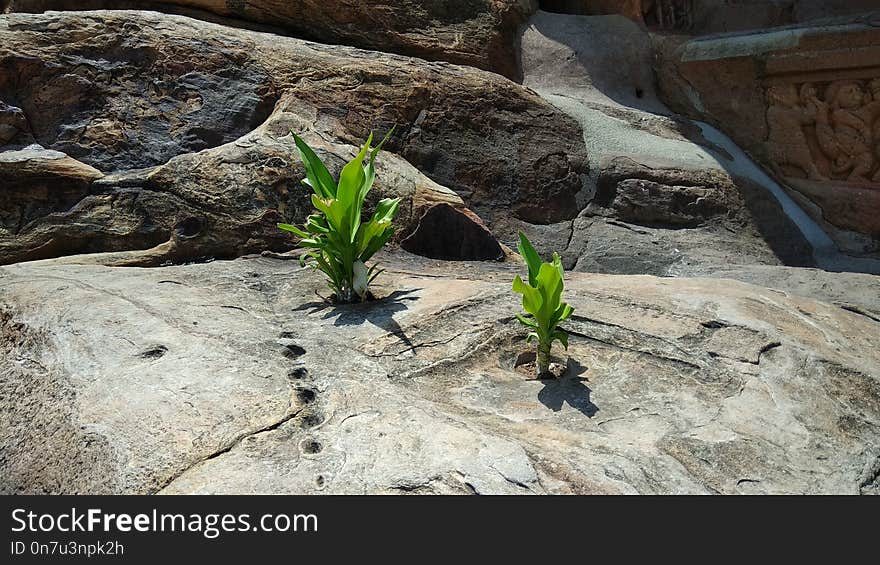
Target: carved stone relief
(825, 131)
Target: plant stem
(346, 295)
(542, 362)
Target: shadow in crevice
(568, 388)
(379, 312)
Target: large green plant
(542, 300)
(339, 242)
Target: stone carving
(825, 130)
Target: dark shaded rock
(119, 101)
(445, 232)
(649, 203)
(12, 122)
(699, 17)
(668, 221)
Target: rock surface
(225, 377)
(479, 33)
(668, 196)
(699, 17)
(817, 91)
(187, 121)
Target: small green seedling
(339, 243)
(542, 300)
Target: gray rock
(233, 377)
(666, 195)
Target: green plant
(340, 243)
(542, 300)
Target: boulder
(667, 195)
(221, 202)
(233, 377)
(479, 33)
(189, 121)
(37, 183)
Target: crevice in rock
(453, 234)
(229, 447)
(770, 346)
(857, 310)
(642, 340)
(611, 343)
(513, 481)
(870, 479)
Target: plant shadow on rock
(379, 312)
(568, 388)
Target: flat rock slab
(236, 377)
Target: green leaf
(532, 299)
(562, 313)
(549, 283)
(381, 143)
(293, 229)
(526, 321)
(352, 176)
(316, 173)
(531, 257)
(561, 337)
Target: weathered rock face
(713, 16)
(12, 123)
(120, 102)
(37, 183)
(480, 33)
(668, 196)
(225, 377)
(132, 90)
(221, 202)
(818, 92)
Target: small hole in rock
(292, 351)
(639, 93)
(319, 480)
(154, 352)
(311, 446)
(306, 395)
(311, 420)
(298, 374)
(189, 227)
